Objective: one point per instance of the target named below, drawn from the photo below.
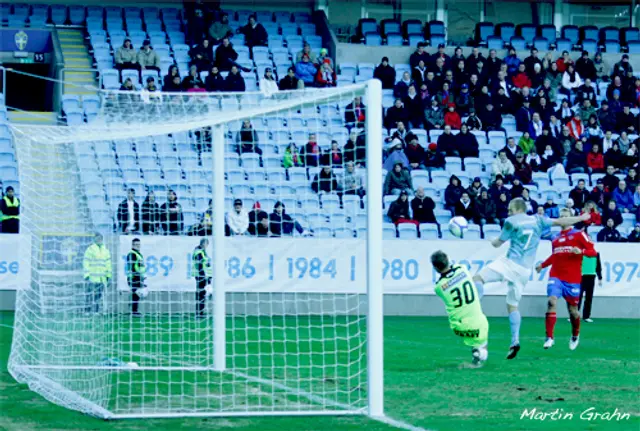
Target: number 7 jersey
(459, 293)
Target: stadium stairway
(76, 56)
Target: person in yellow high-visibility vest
(97, 272)
(10, 212)
(201, 270)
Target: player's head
(564, 213)
(204, 243)
(135, 244)
(517, 206)
(440, 261)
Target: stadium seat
(527, 32)
(548, 31)
(484, 30)
(610, 33)
(541, 43)
(634, 47)
(495, 42)
(407, 231)
(412, 26)
(429, 231)
(563, 44)
(518, 43)
(612, 46)
(372, 39)
(589, 32)
(629, 34)
(590, 45)
(506, 31)
(571, 32)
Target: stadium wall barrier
(13, 250)
(281, 265)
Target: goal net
(255, 286)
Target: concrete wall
(394, 305)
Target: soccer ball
(143, 293)
(209, 290)
(457, 226)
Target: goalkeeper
(461, 299)
(135, 275)
(201, 270)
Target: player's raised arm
(570, 221)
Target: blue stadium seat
(541, 43)
(630, 34)
(527, 32)
(634, 47)
(610, 33)
(372, 39)
(590, 45)
(394, 39)
(612, 46)
(571, 32)
(435, 27)
(484, 30)
(563, 44)
(58, 14)
(343, 232)
(506, 31)
(429, 231)
(437, 39)
(412, 26)
(388, 231)
(548, 31)
(407, 231)
(589, 32)
(367, 25)
(495, 42)
(518, 43)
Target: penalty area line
(397, 424)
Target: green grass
(427, 383)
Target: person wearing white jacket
(502, 166)
(237, 220)
(571, 81)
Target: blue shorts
(569, 291)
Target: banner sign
(339, 265)
(15, 261)
(23, 40)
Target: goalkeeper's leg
(201, 295)
(476, 335)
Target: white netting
(295, 306)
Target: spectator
(474, 58)
(467, 143)
(220, 29)
(464, 207)
(493, 63)
(237, 221)
(263, 226)
(625, 120)
(214, 81)
(127, 85)
(512, 61)
(325, 181)
(396, 113)
(614, 158)
(151, 86)
(586, 67)
(555, 126)
(447, 143)
(521, 79)
(632, 157)
(622, 67)
(564, 61)
(612, 212)
(326, 77)
(532, 205)
(334, 156)
(171, 213)
(526, 143)
(150, 215)
(444, 96)
(491, 119)
(415, 154)
(634, 236)
(355, 149)
(399, 210)
(434, 160)
(306, 71)
(306, 49)
(205, 227)
(167, 84)
(128, 214)
(419, 73)
(624, 142)
(226, 56)
(268, 84)
(324, 56)
(547, 139)
(594, 132)
(586, 111)
(610, 179)
(197, 21)
(571, 81)
(290, 81)
(452, 118)
(576, 160)
(523, 115)
(534, 160)
(311, 152)
(616, 84)
(601, 67)
(192, 81)
(549, 159)
(623, 197)
(632, 179)
(452, 194)
(419, 54)
(202, 55)
(292, 157)
(234, 82)
(256, 216)
(591, 208)
(609, 233)
(551, 209)
(523, 171)
(532, 60)
(580, 195)
(254, 33)
(576, 127)
(535, 126)
(502, 208)
(511, 149)
(352, 182)
(587, 92)
(473, 122)
(386, 74)
(595, 160)
(464, 101)
(422, 207)
(485, 209)
(126, 56)
(565, 113)
(355, 113)
(281, 223)
(555, 79)
(502, 166)
(434, 116)
(475, 188)
(569, 205)
(397, 180)
(247, 139)
(401, 88)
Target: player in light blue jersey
(523, 233)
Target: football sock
(550, 323)
(575, 326)
(480, 287)
(514, 322)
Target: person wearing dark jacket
(532, 205)
(600, 195)
(625, 120)
(422, 207)
(135, 270)
(397, 180)
(355, 149)
(171, 213)
(202, 55)
(192, 81)
(447, 143)
(355, 113)
(502, 208)
(434, 160)
(576, 160)
(491, 119)
(150, 215)
(586, 92)
(580, 195)
(201, 264)
(290, 81)
(591, 267)
(129, 214)
(214, 81)
(399, 210)
(612, 212)
(415, 107)
(523, 117)
(247, 139)
(281, 223)
(606, 117)
(234, 81)
(523, 170)
(254, 33)
(9, 211)
(419, 54)
(396, 113)
(610, 233)
(467, 143)
(485, 209)
(415, 153)
(464, 207)
(634, 236)
(610, 180)
(325, 181)
(255, 217)
(497, 188)
(168, 79)
(453, 193)
(226, 56)
(386, 74)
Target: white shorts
(504, 270)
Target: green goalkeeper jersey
(459, 293)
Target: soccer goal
(290, 321)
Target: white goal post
(291, 325)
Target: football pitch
(428, 384)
